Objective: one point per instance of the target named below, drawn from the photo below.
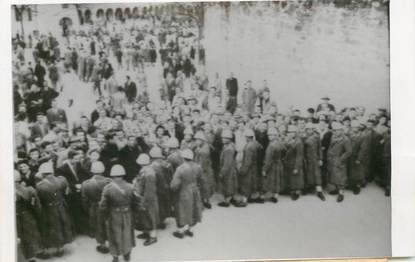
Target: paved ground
(305, 228)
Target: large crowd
(132, 163)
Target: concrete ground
(307, 228)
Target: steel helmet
(97, 167)
(46, 168)
(227, 134)
(117, 170)
(200, 135)
(155, 152)
(249, 133)
(272, 131)
(17, 176)
(172, 143)
(143, 159)
(292, 129)
(187, 154)
(188, 131)
(336, 126)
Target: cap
(272, 131)
(155, 152)
(143, 159)
(200, 135)
(117, 170)
(249, 133)
(46, 168)
(227, 134)
(172, 143)
(325, 98)
(187, 154)
(17, 177)
(97, 167)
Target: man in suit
(249, 98)
(40, 127)
(232, 87)
(130, 89)
(55, 114)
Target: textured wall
(303, 53)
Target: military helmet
(227, 134)
(187, 154)
(155, 152)
(143, 159)
(200, 135)
(97, 167)
(272, 131)
(117, 170)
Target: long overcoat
(118, 205)
(187, 181)
(175, 160)
(163, 178)
(56, 224)
(294, 161)
(202, 157)
(27, 211)
(312, 157)
(337, 156)
(358, 157)
(273, 166)
(249, 170)
(228, 170)
(145, 186)
(91, 195)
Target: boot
(340, 198)
(115, 259)
(178, 234)
(274, 199)
(188, 233)
(356, 190)
(294, 196)
(223, 204)
(102, 249)
(251, 200)
(259, 200)
(207, 205)
(127, 257)
(161, 226)
(149, 241)
(334, 192)
(143, 236)
(321, 196)
(240, 204)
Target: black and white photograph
(197, 131)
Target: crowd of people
(132, 163)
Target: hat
(336, 126)
(227, 133)
(117, 170)
(268, 118)
(249, 133)
(97, 167)
(172, 143)
(187, 154)
(325, 98)
(200, 135)
(188, 131)
(143, 159)
(309, 126)
(292, 129)
(17, 177)
(272, 131)
(46, 168)
(155, 152)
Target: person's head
(309, 129)
(74, 156)
(338, 129)
(346, 121)
(383, 120)
(325, 100)
(119, 134)
(54, 103)
(102, 113)
(310, 112)
(131, 141)
(99, 103)
(110, 138)
(34, 154)
(370, 124)
(292, 132)
(160, 131)
(23, 167)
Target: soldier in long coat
(202, 157)
(293, 165)
(27, 211)
(174, 158)
(313, 160)
(337, 156)
(187, 181)
(56, 226)
(118, 204)
(248, 173)
(228, 170)
(163, 179)
(273, 165)
(145, 186)
(91, 195)
(358, 158)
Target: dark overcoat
(228, 170)
(337, 156)
(273, 166)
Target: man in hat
(188, 141)
(128, 156)
(91, 192)
(145, 187)
(163, 177)
(337, 156)
(273, 165)
(248, 173)
(294, 160)
(118, 204)
(313, 161)
(325, 105)
(203, 158)
(228, 168)
(358, 158)
(55, 220)
(232, 87)
(187, 182)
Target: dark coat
(248, 174)
(28, 210)
(337, 157)
(163, 179)
(312, 157)
(202, 157)
(175, 160)
(294, 161)
(118, 205)
(91, 195)
(128, 156)
(56, 224)
(358, 158)
(130, 91)
(187, 181)
(57, 115)
(273, 166)
(228, 170)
